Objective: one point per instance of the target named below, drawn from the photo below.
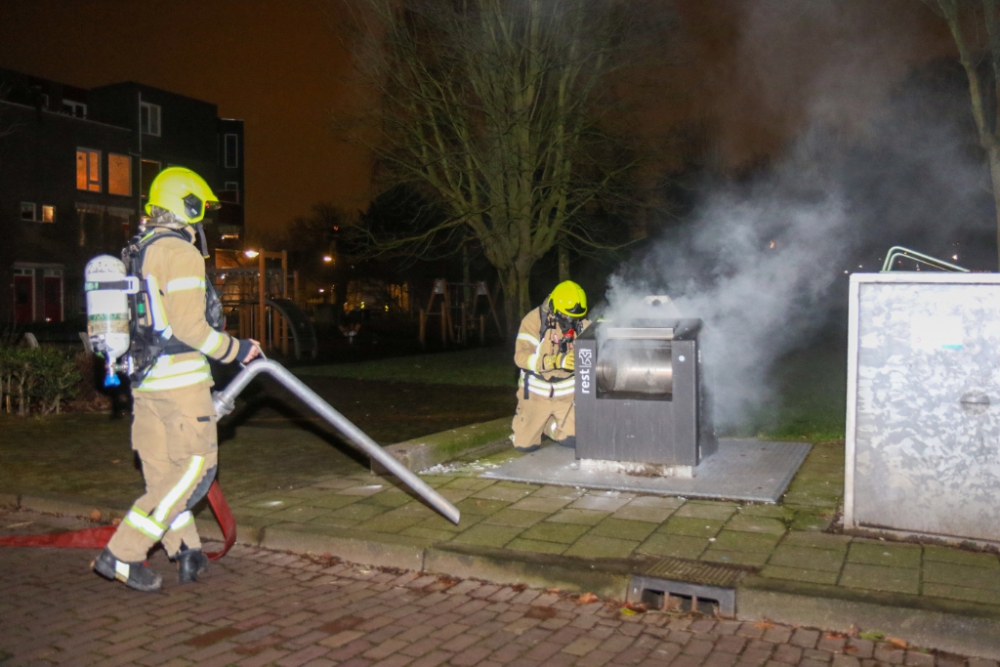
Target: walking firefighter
(544, 353)
(171, 327)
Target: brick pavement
(260, 607)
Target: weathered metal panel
(923, 436)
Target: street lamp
(327, 258)
(251, 253)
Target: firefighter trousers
(175, 436)
(538, 415)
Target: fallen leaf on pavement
(552, 591)
(897, 642)
(115, 521)
(763, 625)
(586, 598)
(835, 635)
(872, 635)
(96, 515)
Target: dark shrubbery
(38, 378)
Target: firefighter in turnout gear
(173, 427)
(544, 353)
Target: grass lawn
(479, 367)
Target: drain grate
(696, 572)
(689, 585)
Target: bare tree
(499, 112)
(975, 27)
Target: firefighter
(544, 353)
(173, 427)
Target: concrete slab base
(742, 469)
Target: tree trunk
(563, 263)
(993, 155)
(516, 296)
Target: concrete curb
(605, 577)
(423, 453)
(964, 628)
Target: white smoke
(884, 159)
(754, 266)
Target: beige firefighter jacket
(534, 343)
(177, 271)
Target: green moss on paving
(388, 523)
(587, 517)
(959, 557)
(677, 546)
(791, 556)
(482, 506)
(817, 540)
(654, 515)
(717, 511)
(985, 596)
(624, 529)
(800, 574)
(513, 517)
(735, 540)
(885, 554)
(541, 504)
(779, 512)
(953, 574)
(684, 525)
(550, 531)
(488, 535)
(756, 524)
(878, 578)
(595, 546)
(332, 501)
(358, 512)
(428, 533)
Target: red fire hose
(97, 538)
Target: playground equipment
(461, 300)
(257, 304)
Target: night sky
(756, 71)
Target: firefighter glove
(563, 360)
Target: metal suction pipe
(224, 402)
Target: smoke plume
(763, 263)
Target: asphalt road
(259, 607)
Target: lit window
(28, 211)
(75, 109)
(88, 170)
(232, 151)
(48, 214)
(149, 118)
(119, 174)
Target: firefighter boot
(190, 563)
(134, 575)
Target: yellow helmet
(568, 299)
(183, 193)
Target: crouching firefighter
(176, 322)
(544, 353)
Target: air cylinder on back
(107, 286)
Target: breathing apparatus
(126, 323)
